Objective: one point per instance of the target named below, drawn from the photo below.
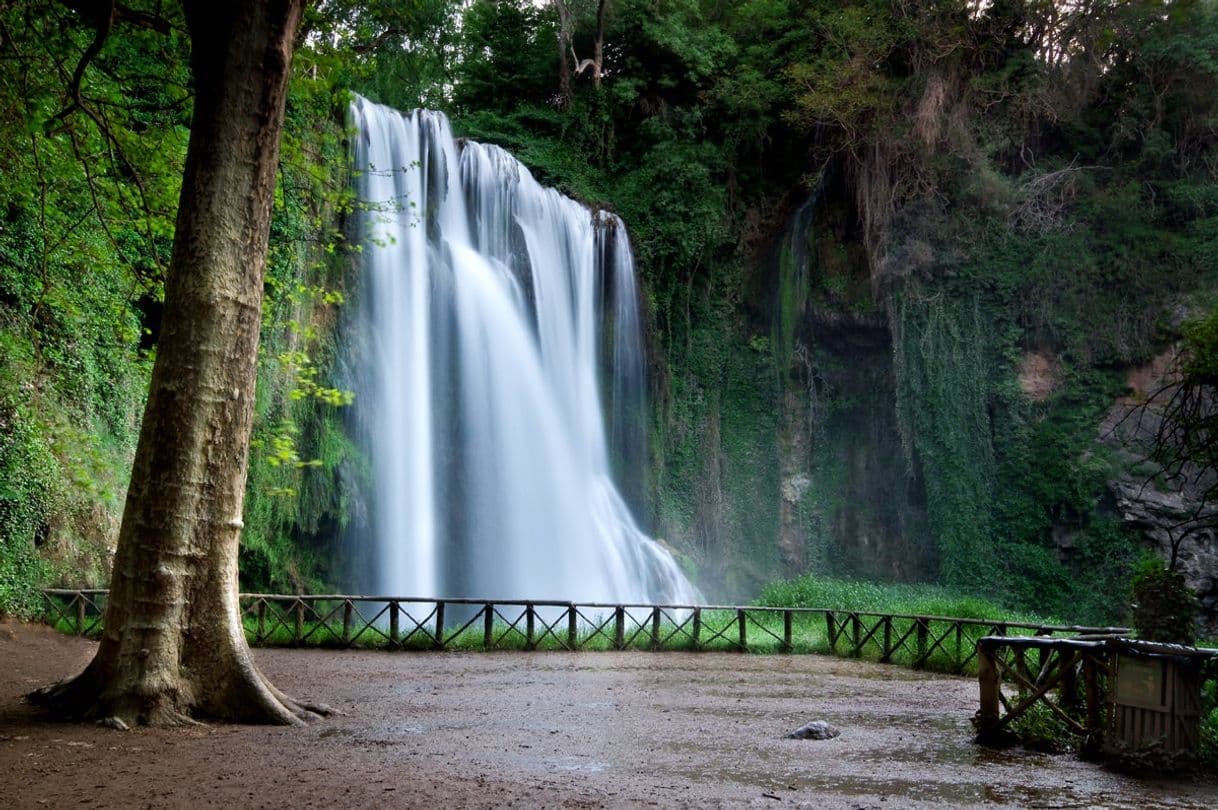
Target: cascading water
(489, 304)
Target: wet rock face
(1174, 522)
(816, 730)
(1158, 515)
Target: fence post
(958, 664)
(696, 631)
(572, 627)
(786, 630)
(439, 640)
(619, 627)
(990, 682)
(922, 642)
(831, 631)
(856, 635)
(655, 628)
(1091, 686)
(886, 654)
(261, 620)
(744, 641)
(394, 622)
(347, 621)
(1068, 691)
(529, 613)
(488, 626)
(298, 629)
(80, 614)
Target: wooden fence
(341, 620)
(1043, 672)
(1075, 681)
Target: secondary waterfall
(492, 308)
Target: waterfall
(491, 310)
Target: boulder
(816, 730)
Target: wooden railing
(341, 620)
(1070, 678)
(1043, 672)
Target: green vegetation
(812, 591)
(1164, 607)
(1209, 725)
(86, 216)
(86, 223)
(898, 263)
(1041, 729)
(304, 465)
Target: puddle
(389, 735)
(933, 769)
(574, 765)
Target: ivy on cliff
(1017, 175)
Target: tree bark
(173, 647)
(598, 46)
(566, 31)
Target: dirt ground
(552, 730)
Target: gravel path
(552, 730)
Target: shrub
(1164, 608)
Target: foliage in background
(1024, 178)
(1209, 725)
(942, 400)
(987, 185)
(813, 591)
(303, 465)
(86, 223)
(1164, 607)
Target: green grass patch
(813, 591)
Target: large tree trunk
(173, 646)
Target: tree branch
(142, 19)
(104, 24)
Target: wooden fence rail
(392, 622)
(1075, 680)
(1043, 672)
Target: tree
(506, 60)
(566, 31)
(566, 40)
(598, 47)
(173, 647)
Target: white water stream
(493, 311)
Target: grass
(811, 590)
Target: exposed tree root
(305, 711)
(250, 698)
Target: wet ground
(553, 730)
